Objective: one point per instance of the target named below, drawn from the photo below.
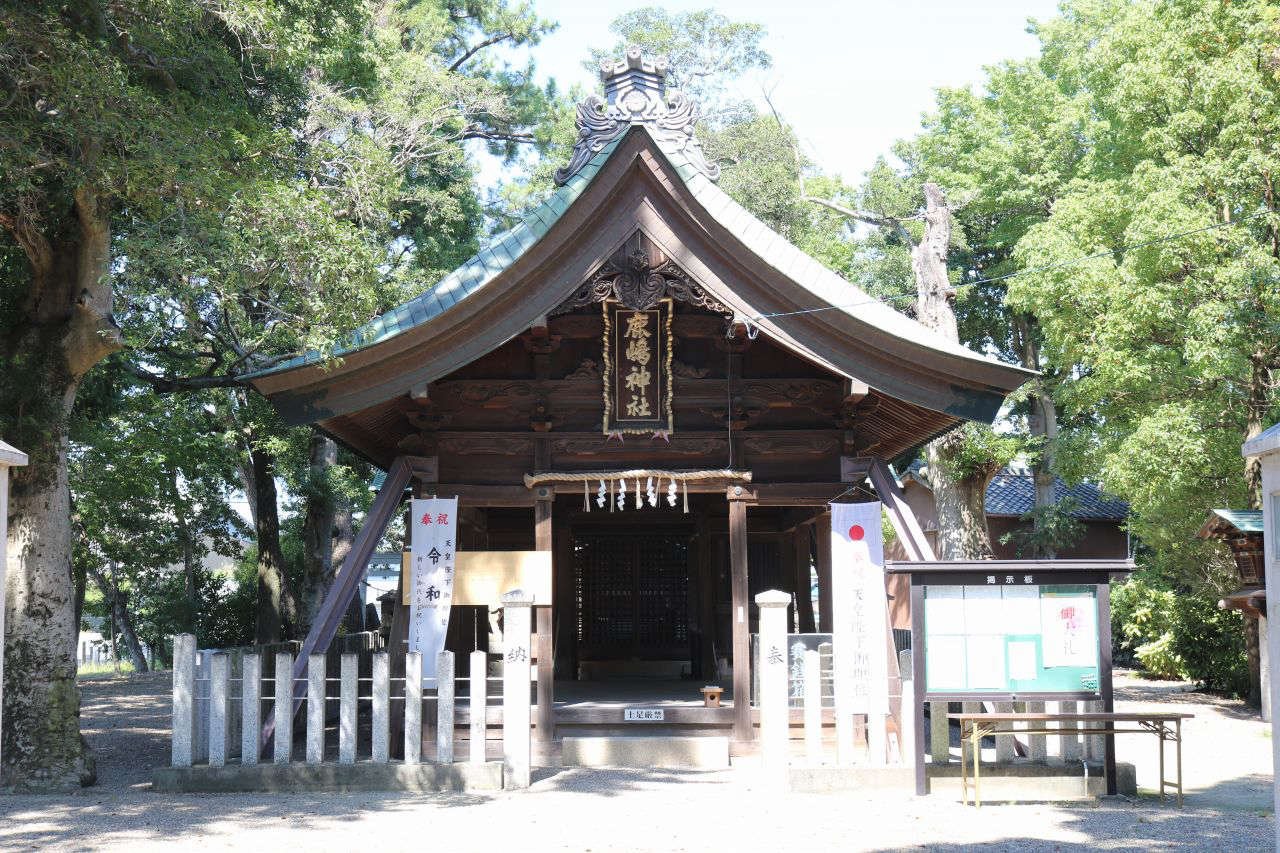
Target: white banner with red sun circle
(859, 608)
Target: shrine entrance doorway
(632, 603)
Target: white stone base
(699, 753)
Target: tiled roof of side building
(1243, 520)
(1014, 492)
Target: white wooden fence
(218, 718)
(777, 755)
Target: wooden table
(974, 727)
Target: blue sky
(851, 77)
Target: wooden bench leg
(1160, 733)
(1179, 737)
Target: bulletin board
(1011, 638)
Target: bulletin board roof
(1012, 567)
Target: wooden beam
(900, 513)
(742, 729)
(345, 583)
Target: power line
(997, 278)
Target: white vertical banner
(859, 610)
(433, 538)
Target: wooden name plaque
(482, 577)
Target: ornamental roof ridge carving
(636, 93)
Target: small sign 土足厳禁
(643, 715)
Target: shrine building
(646, 382)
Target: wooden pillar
(564, 606)
(739, 615)
(800, 543)
(1105, 683)
(544, 726)
(787, 581)
(706, 600)
(822, 531)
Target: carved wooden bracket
(639, 275)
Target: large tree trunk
(190, 560)
(962, 520)
(317, 528)
(1042, 424)
(123, 620)
(1256, 412)
(276, 606)
(64, 329)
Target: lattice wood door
(632, 596)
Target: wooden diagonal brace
(346, 583)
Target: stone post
(200, 703)
(413, 707)
(1264, 664)
(1070, 734)
(316, 678)
(479, 705)
(907, 749)
(516, 605)
(813, 706)
(347, 709)
(1036, 745)
(219, 686)
(284, 708)
(939, 732)
(250, 708)
(444, 707)
(775, 716)
(382, 707)
(184, 688)
(1004, 743)
(1095, 746)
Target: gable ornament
(635, 93)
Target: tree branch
(472, 51)
(863, 216)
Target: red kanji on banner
(442, 518)
(426, 519)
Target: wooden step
(699, 753)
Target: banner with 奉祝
(860, 613)
(432, 538)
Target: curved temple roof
(641, 180)
(637, 166)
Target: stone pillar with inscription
(516, 605)
(774, 713)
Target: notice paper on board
(1069, 630)
(1022, 660)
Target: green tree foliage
(1170, 344)
(212, 187)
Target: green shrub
(1178, 633)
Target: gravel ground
(1228, 807)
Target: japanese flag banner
(432, 538)
(859, 607)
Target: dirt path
(126, 722)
